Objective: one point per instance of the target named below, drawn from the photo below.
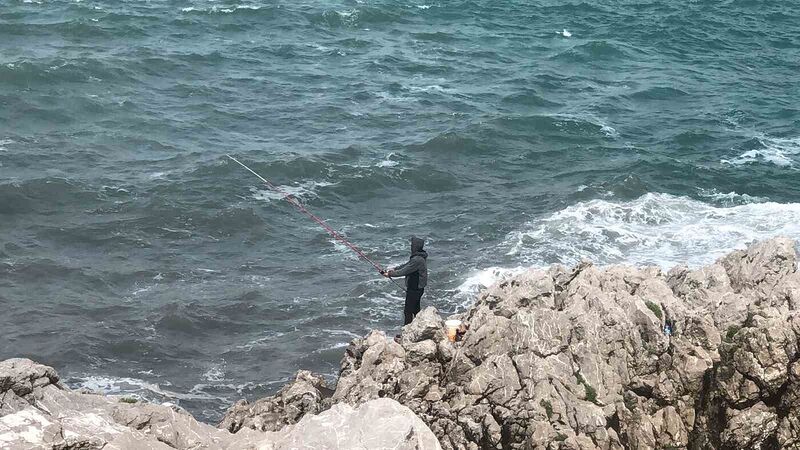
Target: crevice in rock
(710, 418)
(613, 423)
(165, 442)
(642, 391)
(771, 443)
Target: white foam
(388, 162)
(349, 334)
(222, 9)
(141, 290)
(3, 143)
(655, 229)
(777, 151)
(609, 131)
(480, 279)
(564, 33)
(263, 341)
(729, 198)
(215, 373)
(127, 385)
(429, 88)
(335, 346)
(302, 190)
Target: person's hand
(385, 273)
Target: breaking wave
(654, 229)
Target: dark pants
(413, 297)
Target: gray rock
(427, 325)
(303, 396)
(377, 424)
(39, 413)
(579, 359)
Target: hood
(416, 247)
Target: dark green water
(135, 257)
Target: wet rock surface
(604, 358)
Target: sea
(137, 259)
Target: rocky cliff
(564, 358)
(591, 358)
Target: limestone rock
(377, 424)
(605, 358)
(303, 396)
(39, 413)
(427, 325)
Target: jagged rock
(427, 325)
(579, 359)
(39, 413)
(303, 396)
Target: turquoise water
(134, 257)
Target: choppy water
(135, 258)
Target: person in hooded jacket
(416, 273)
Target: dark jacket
(416, 269)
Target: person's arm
(388, 273)
(410, 267)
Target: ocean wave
(198, 319)
(224, 9)
(435, 36)
(658, 93)
(48, 71)
(389, 161)
(566, 126)
(618, 187)
(302, 190)
(729, 198)
(358, 17)
(451, 141)
(593, 51)
(44, 195)
(781, 152)
(654, 229)
(528, 98)
(4, 143)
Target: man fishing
(415, 270)
(416, 273)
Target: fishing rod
(299, 206)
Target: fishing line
(299, 206)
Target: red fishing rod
(299, 206)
